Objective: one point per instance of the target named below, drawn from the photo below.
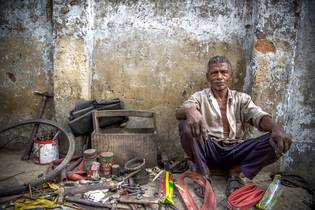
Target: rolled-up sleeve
(252, 113)
(193, 100)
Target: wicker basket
(126, 143)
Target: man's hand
(279, 140)
(196, 122)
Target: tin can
(106, 160)
(116, 170)
(47, 151)
(94, 171)
(89, 156)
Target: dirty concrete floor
(10, 164)
(291, 198)
(14, 171)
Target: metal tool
(139, 196)
(93, 204)
(45, 97)
(145, 201)
(85, 188)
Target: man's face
(219, 75)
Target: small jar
(106, 160)
(94, 171)
(116, 170)
(89, 156)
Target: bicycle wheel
(19, 188)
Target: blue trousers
(251, 155)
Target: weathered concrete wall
(282, 74)
(271, 61)
(71, 56)
(299, 105)
(25, 58)
(153, 53)
(275, 40)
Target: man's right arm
(190, 105)
(181, 112)
(194, 119)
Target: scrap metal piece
(94, 204)
(145, 201)
(142, 177)
(134, 164)
(85, 188)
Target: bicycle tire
(21, 188)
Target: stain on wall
(153, 54)
(69, 75)
(299, 106)
(25, 59)
(273, 53)
(72, 55)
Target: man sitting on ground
(212, 127)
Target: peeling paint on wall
(273, 54)
(300, 104)
(25, 58)
(25, 65)
(70, 72)
(153, 55)
(198, 20)
(73, 61)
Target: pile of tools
(126, 191)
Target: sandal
(233, 183)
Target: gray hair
(218, 59)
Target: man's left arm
(262, 120)
(278, 140)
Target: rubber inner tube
(21, 188)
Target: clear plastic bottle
(271, 195)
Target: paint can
(46, 150)
(89, 156)
(116, 170)
(106, 160)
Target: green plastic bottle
(271, 195)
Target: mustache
(217, 82)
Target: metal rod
(145, 201)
